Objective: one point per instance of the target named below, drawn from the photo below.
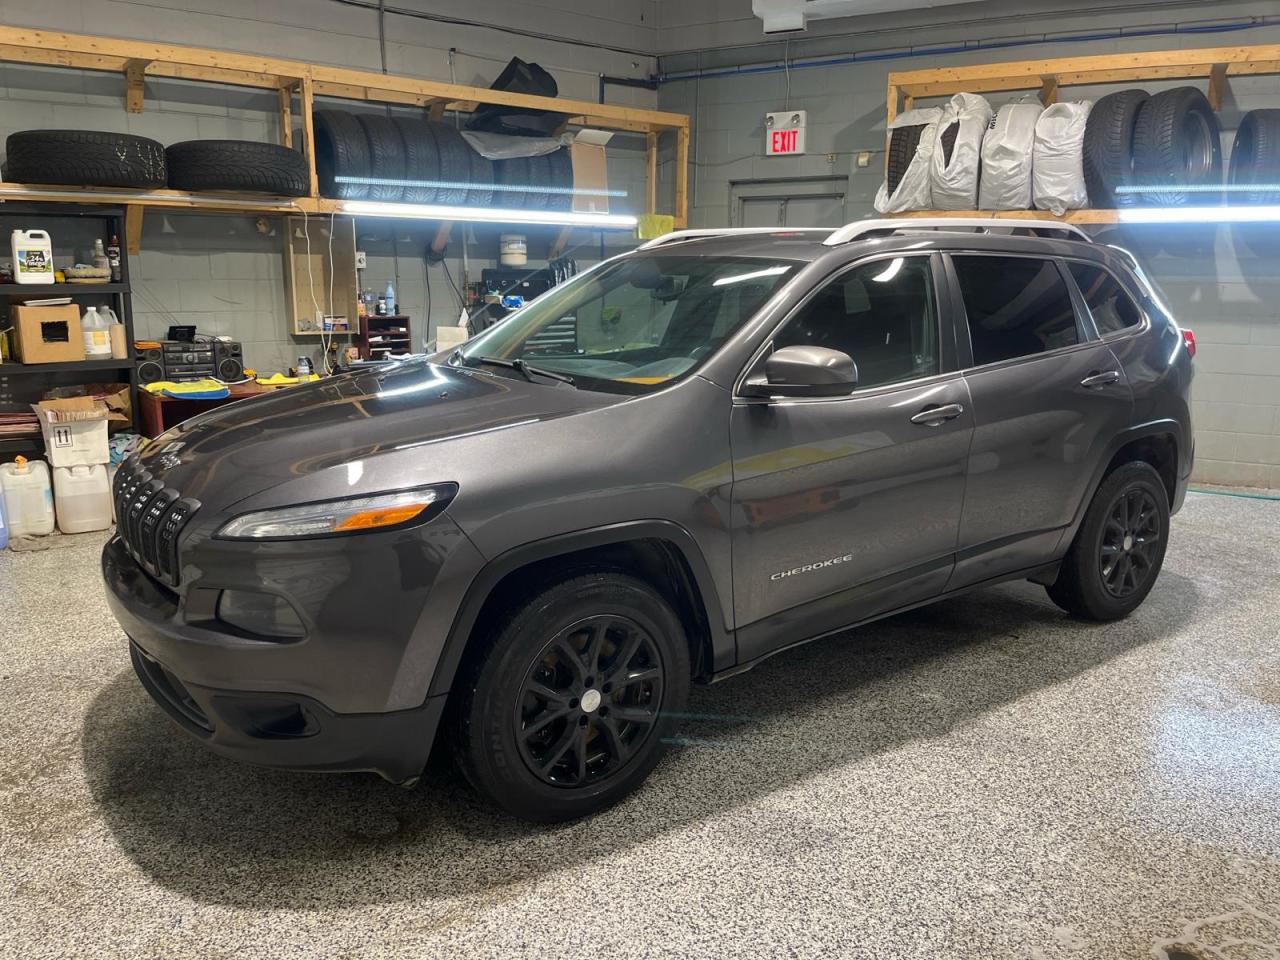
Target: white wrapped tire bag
(1007, 156)
(1057, 176)
(908, 163)
(954, 167)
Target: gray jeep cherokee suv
(684, 460)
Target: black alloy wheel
(589, 702)
(1131, 540)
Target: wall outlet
(362, 260)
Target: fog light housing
(260, 614)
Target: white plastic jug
(82, 496)
(96, 330)
(32, 256)
(28, 498)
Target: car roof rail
(860, 229)
(677, 236)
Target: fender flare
(1152, 428)
(723, 645)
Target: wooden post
(1217, 85)
(286, 115)
(682, 178)
(559, 243)
(307, 106)
(133, 228)
(134, 71)
(1048, 90)
(435, 111)
(650, 172)
(441, 239)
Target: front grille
(149, 519)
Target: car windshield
(632, 325)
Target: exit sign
(784, 133)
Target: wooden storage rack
(1215, 64)
(298, 82)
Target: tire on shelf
(539, 179)
(245, 165)
(455, 163)
(386, 157)
(85, 158)
(902, 150)
(1108, 148)
(1177, 144)
(421, 159)
(562, 179)
(1255, 161)
(511, 173)
(342, 150)
(480, 193)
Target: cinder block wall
(220, 272)
(1228, 294)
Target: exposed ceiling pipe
(790, 16)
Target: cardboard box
(75, 430)
(117, 396)
(590, 173)
(47, 334)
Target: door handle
(937, 416)
(1101, 379)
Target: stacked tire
(371, 157)
(1254, 177)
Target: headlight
(335, 517)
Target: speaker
(228, 361)
(150, 365)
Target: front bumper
(349, 695)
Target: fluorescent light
(889, 272)
(754, 275)
(475, 184)
(1259, 214)
(435, 211)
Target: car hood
(379, 420)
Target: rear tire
(565, 707)
(1118, 552)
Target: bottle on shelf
(96, 330)
(113, 258)
(100, 255)
(390, 297)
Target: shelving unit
(23, 383)
(395, 331)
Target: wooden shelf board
(1071, 216)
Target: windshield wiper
(525, 369)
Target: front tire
(566, 706)
(1117, 554)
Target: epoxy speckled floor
(982, 778)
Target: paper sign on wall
(784, 133)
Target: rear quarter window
(1112, 308)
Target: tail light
(1189, 339)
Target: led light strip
(1258, 214)
(433, 211)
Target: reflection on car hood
(244, 448)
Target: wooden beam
(1048, 90)
(651, 173)
(133, 229)
(1218, 85)
(441, 240)
(435, 111)
(286, 115)
(307, 106)
(134, 72)
(682, 178)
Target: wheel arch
(659, 551)
(1158, 442)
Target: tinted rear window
(1017, 307)
(1113, 310)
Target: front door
(844, 508)
(1048, 397)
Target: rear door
(846, 507)
(1048, 396)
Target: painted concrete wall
(1227, 293)
(219, 272)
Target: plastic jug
(96, 330)
(28, 497)
(82, 497)
(32, 256)
(4, 527)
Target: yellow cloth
(280, 380)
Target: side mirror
(804, 372)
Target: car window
(882, 314)
(1112, 308)
(1017, 307)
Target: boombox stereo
(178, 361)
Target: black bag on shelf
(519, 77)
